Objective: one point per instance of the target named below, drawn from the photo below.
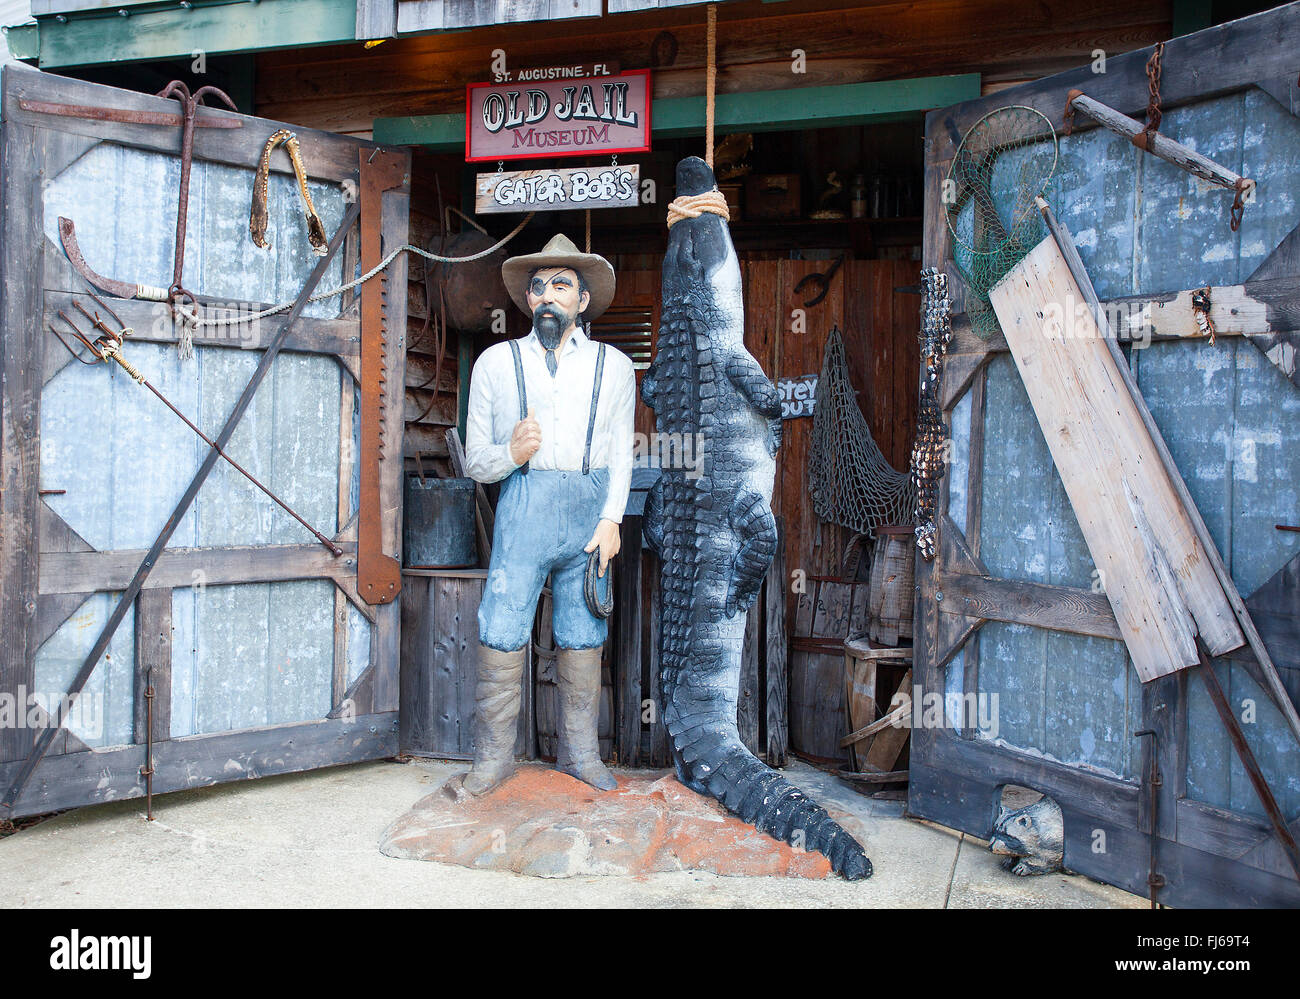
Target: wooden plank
(1085, 412)
(339, 663)
(84, 572)
(457, 630)
(626, 644)
(888, 743)
(328, 157)
(152, 324)
(748, 704)
(1156, 142)
(153, 662)
(76, 779)
(57, 536)
(376, 19)
(21, 353)
(1061, 608)
(659, 753)
(1163, 712)
(764, 111)
(52, 610)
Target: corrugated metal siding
(245, 655)
(1229, 416)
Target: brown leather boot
(496, 717)
(578, 675)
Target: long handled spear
(108, 346)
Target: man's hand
(526, 439)
(607, 539)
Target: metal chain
(1154, 114)
(1238, 205)
(1067, 117)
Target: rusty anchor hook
(177, 293)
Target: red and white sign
(595, 117)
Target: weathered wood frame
(956, 779)
(47, 571)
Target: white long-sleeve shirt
(561, 405)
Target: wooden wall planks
(344, 88)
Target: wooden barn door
(1011, 611)
(262, 657)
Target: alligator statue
(713, 529)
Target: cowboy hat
(560, 252)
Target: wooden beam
(1058, 608)
(22, 345)
(625, 646)
(75, 779)
(153, 663)
(756, 111)
(84, 572)
(175, 32)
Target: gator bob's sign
(557, 189)
(578, 117)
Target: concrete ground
(309, 840)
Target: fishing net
(850, 481)
(1004, 162)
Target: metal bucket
(438, 529)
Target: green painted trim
(757, 111)
(1191, 15)
(174, 32)
(24, 41)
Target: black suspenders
(595, 398)
(523, 392)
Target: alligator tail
(712, 760)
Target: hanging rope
(588, 249)
(710, 81)
(193, 319)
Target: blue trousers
(543, 522)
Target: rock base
(546, 824)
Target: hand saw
(379, 576)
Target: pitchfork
(108, 346)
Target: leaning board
(1152, 568)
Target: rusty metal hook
(821, 280)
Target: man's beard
(551, 321)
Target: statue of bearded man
(552, 414)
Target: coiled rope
(692, 206)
